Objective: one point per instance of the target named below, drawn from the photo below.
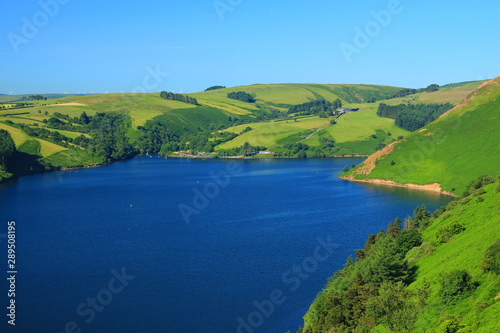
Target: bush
(491, 258)
(444, 233)
(456, 285)
(418, 252)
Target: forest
(412, 117)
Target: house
(347, 109)
(266, 152)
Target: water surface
(251, 241)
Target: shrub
(455, 285)
(445, 232)
(491, 258)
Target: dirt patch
(369, 164)
(68, 104)
(497, 296)
(433, 187)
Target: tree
(84, 119)
(7, 148)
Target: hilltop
(446, 154)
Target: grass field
(268, 134)
(451, 151)
(359, 125)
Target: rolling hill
(459, 146)
(151, 121)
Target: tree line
(319, 106)
(215, 88)
(412, 117)
(179, 97)
(409, 91)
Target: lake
(180, 245)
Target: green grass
(452, 150)
(352, 133)
(19, 137)
(359, 125)
(292, 94)
(463, 251)
(269, 134)
(73, 158)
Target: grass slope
(480, 311)
(453, 150)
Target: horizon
(253, 84)
(93, 47)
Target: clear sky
(188, 45)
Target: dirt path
(310, 135)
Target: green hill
(151, 124)
(457, 147)
(438, 274)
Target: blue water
(247, 259)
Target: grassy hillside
(441, 273)
(459, 146)
(478, 214)
(154, 124)
(291, 94)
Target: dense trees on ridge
(215, 88)
(241, 96)
(407, 91)
(178, 97)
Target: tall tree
(7, 147)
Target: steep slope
(448, 153)
(440, 274)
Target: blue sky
(188, 45)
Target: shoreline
(14, 177)
(432, 187)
